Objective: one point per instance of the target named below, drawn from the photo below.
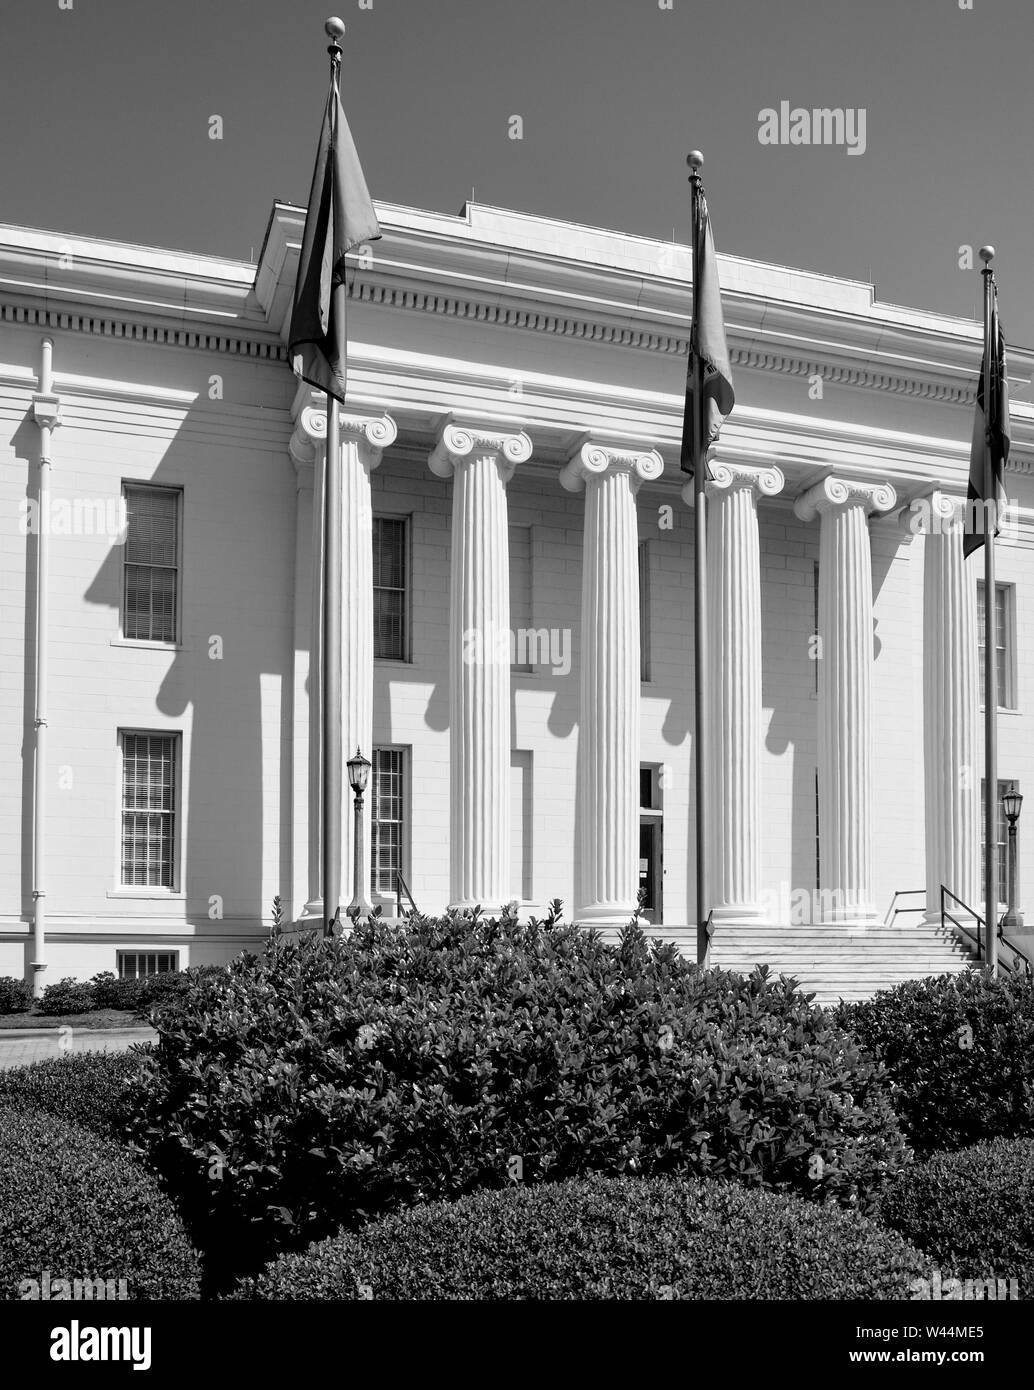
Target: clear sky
(105, 114)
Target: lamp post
(358, 775)
(1012, 803)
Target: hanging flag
(990, 427)
(707, 340)
(340, 217)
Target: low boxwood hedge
(605, 1238)
(959, 1050)
(972, 1211)
(333, 1080)
(15, 995)
(74, 1206)
(86, 1088)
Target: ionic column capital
(833, 493)
(374, 434)
(766, 480)
(935, 512)
(592, 459)
(457, 441)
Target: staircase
(832, 962)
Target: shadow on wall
(236, 627)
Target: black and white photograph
(516, 682)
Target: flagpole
(695, 161)
(332, 531)
(990, 635)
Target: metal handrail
(401, 886)
(999, 933)
(893, 911)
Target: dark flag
(990, 426)
(340, 216)
(707, 340)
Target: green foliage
(78, 1206)
(333, 1080)
(67, 996)
(110, 992)
(604, 1238)
(960, 1051)
(971, 1210)
(86, 1088)
(15, 995)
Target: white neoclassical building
(518, 618)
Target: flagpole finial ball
(987, 254)
(334, 28)
(695, 159)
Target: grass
(96, 1018)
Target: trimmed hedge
(67, 996)
(972, 1210)
(334, 1080)
(77, 1207)
(960, 1052)
(15, 995)
(85, 1088)
(605, 1238)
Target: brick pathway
(17, 1051)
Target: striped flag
(340, 216)
(990, 427)
(707, 340)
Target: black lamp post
(1012, 803)
(358, 775)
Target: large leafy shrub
(67, 996)
(111, 992)
(76, 1205)
(960, 1051)
(972, 1210)
(15, 995)
(605, 1238)
(85, 1088)
(333, 1080)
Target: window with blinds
(1001, 834)
(644, 610)
(151, 563)
(1003, 641)
(387, 816)
(137, 965)
(390, 635)
(148, 810)
(524, 645)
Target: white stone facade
(509, 377)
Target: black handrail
(401, 886)
(999, 933)
(893, 911)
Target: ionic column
(608, 743)
(734, 617)
(951, 706)
(481, 463)
(846, 750)
(363, 440)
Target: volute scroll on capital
(767, 479)
(457, 442)
(832, 492)
(593, 459)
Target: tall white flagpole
(695, 161)
(990, 637)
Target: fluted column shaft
(734, 618)
(846, 739)
(951, 704)
(481, 463)
(609, 735)
(363, 439)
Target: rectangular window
(1003, 641)
(525, 645)
(390, 566)
(148, 810)
(815, 620)
(520, 823)
(151, 563)
(135, 965)
(387, 814)
(1001, 837)
(644, 610)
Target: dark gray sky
(105, 107)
